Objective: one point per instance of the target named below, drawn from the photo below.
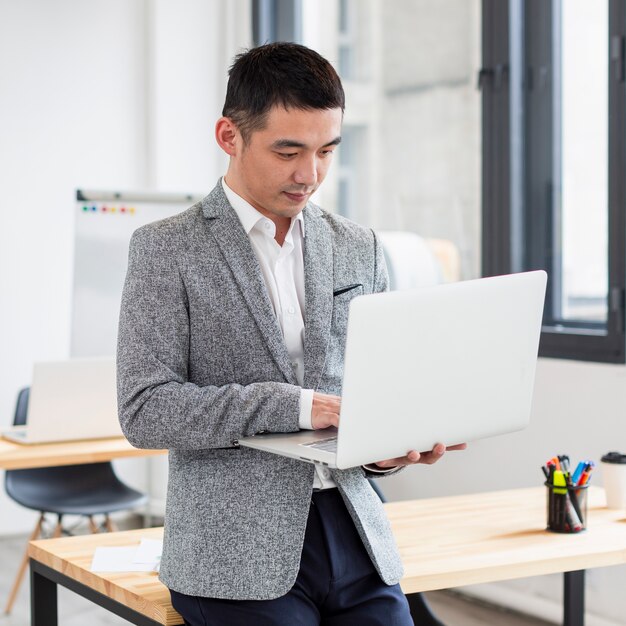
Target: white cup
(614, 479)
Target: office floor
(452, 609)
(456, 610)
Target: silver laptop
(69, 400)
(450, 364)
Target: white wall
(71, 115)
(105, 94)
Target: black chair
(87, 490)
(420, 611)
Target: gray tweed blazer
(202, 362)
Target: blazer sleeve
(158, 407)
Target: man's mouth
(296, 197)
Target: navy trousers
(337, 584)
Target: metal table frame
(43, 598)
(44, 612)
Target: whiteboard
(104, 222)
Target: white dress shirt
(283, 273)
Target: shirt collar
(249, 216)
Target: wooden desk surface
(465, 540)
(20, 456)
(444, 542)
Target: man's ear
(227, 136)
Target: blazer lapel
(318, 290)
(234, 245)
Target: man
(233, 323)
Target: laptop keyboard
(329, 445)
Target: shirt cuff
(374, 469)
(306, 408)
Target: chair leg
(110, 524)
(58, 529)
(93, 527)
(22, 569)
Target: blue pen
(579, 470)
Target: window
(276, 20)
(410, 155)
(553, 163)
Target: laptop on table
(70, 400)
(447, 364)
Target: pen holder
(567, 508)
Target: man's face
(284, 163)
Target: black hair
(282, 73)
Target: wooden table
(444, 542)
(20, 456)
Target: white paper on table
(118, 560)
(149, 551)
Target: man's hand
(414, 457)
(325, 411)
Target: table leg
(574, 598)
(43, 600)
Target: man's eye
(326, 153)
(286, 155)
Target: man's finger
(426, 458)
(409, 459)
(438, 449)
(458, 446)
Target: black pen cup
(567, 508)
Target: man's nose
(306, 173)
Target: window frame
(276, 20)
(518, 165)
